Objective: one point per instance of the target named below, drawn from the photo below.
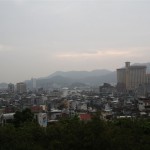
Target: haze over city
(39, 37)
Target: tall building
(148, 79)
(21, 87)
(131, 77)
(11, 88)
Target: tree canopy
(21, 117)
(73, 134)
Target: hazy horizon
(39, 37)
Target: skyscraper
(131, 76)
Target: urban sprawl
(129, 98)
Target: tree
(22, 117)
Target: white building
(42, 119)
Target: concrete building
(106, 89)
(65, 92)
(148, 79)
(131, 77)
(6, 118)
(21, 87)
(144, 106)
(11, 88)
(144, 90)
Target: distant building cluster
(21, 87)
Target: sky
(39, 37)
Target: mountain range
(77, 78)
(80, 74)
(80, 78)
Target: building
(65, 92)
(11, 88)
(41, 118)
(55, 93)
(106, 89)
(21, 87)
(144, 106)
(54, 114)
(148, 79)
(144, 90)
(131, 77)
(85, 117)
(6, 118)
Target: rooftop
(133, 67)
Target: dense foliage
(72, 134)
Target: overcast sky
(38, 37)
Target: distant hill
(76, 79)
(80, 74)
(98, 80)
(55, 81)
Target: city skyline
(38, 38)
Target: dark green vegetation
(72, 134)
(22, 117)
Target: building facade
(148, 79)
(11, 88)
(21, 87)
(131, 77)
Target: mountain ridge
(68, 78)
(80, 74)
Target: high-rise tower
(131, 76)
